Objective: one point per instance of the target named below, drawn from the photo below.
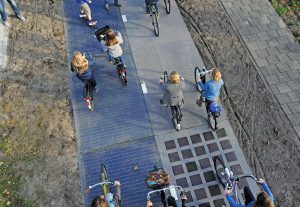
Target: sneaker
(199, 102)
(106, 7)
(20, 17)
(82, 15)
(5, 23)
(96, 89)
(118, 5)
(92, 22)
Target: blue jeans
(13, 5)
(148, 4)
(110, 58)
(106, 1)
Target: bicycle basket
(157, 179)
(100, 33)
(214, 107)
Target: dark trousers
(248, 195)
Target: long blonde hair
(174, 77)
(263, 200)
(216, 74)
(79, 62)
(111, 38)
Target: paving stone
(200, 150)
(230, 156)
(252, 46)
(183, 141)
(191, 166)
(196, 180)
(242, 183)
(254, 29)
(252, 37)
(264, 71)
(281, 24)
(174, 157)
(170, 145)
(282, 67)
(187, 153)
(294, 85)
(200, 193)
(294, 75)
(283, 98)
(209, 176)
(272, 51)
(283, 58)
(263, 36)
(261, 62)
(219, 203)
(283, 77)
(283, 87)
(204, 163)
(228, 5)
(273, 26)
(263, 28)
(205, 204)
(293, 47)
(294, 65)
(297, 129)
(295, 119)
(236, 169)
(286, 109)
(273, 42)
(221, 133)
(294, 107)
(196, 138)
(262, 44)
(213, 147)
(264, 19)
(274, 90)
(243, 31)
(208, 136)
(214, 190)
(189, 197)
(225, 144)
(244, 24)
(294, 96)
(272, 79)
(272, 59)
(282, 40)
(182, 182)
(178, 169)
(293, 55)
(262, 53)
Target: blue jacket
(86, 75)
(264, 187)
(211, 89)
(82, 1)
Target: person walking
(14, 7)
(85, 11)
(116, 2)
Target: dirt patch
(37, 141)
(265, 134)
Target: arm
(104, 47)
(119, 37)
(266, 188)
(182, 82)
(232, 202)
(117, 196)
(202, 86)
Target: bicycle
(212, 108)
(175, 110)
(154, 16)
(168, 6)
(227, 179)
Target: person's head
(111, 38)
(79, 62)
(99, 201)
(174, 77)
(171, 202)
(216, 74)
(263, 200)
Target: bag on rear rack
(157, 179)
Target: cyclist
(109, 200)
(173, 95)
(80, 66)
(264, 198)
(148, 4)
(112, 45)
(171, 202)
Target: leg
(14, 6)
(106, 5)
(163, 197)
(117, 3)
(2, 11)
(86, 9)
(248, 195)
(93, 82)
(147, 6)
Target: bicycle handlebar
(164, 189)
(246, 176)
(97, 184)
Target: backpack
(157, 179)
(214, 108)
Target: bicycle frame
(154, 15)
(171, 188)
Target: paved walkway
(3, 44)
(274, 50)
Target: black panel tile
(183, 141)
(230, 156)
(170, 144)
(173, 157)
(226, 144)
(189, 197)
(187, 153)
(200, 194)
(196, 180)
(213, 147)
(236, 169)
(200, 150)
(242, 183)
(208, 136)
(221, 133)
(191, 166)
(204, 205)
(219, 202)
(196, 138)
(204, 163)
(209, 176)
(178, 169)
(214, 190)
(182, 182)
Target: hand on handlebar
(117, 183)
(227, 192)
(260, 181)
(149, 203)
(161, 80)
(181, 78)
(87, 190)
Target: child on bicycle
(109, 200)
(148, 4)
(112, 45)
(264, 198)
(85, 11)
(80, 66)
(173, 95)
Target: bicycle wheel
(166, 77)
(197, 72)
(104, 177)
(220, 170)
(155, 21)
(168, 6)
